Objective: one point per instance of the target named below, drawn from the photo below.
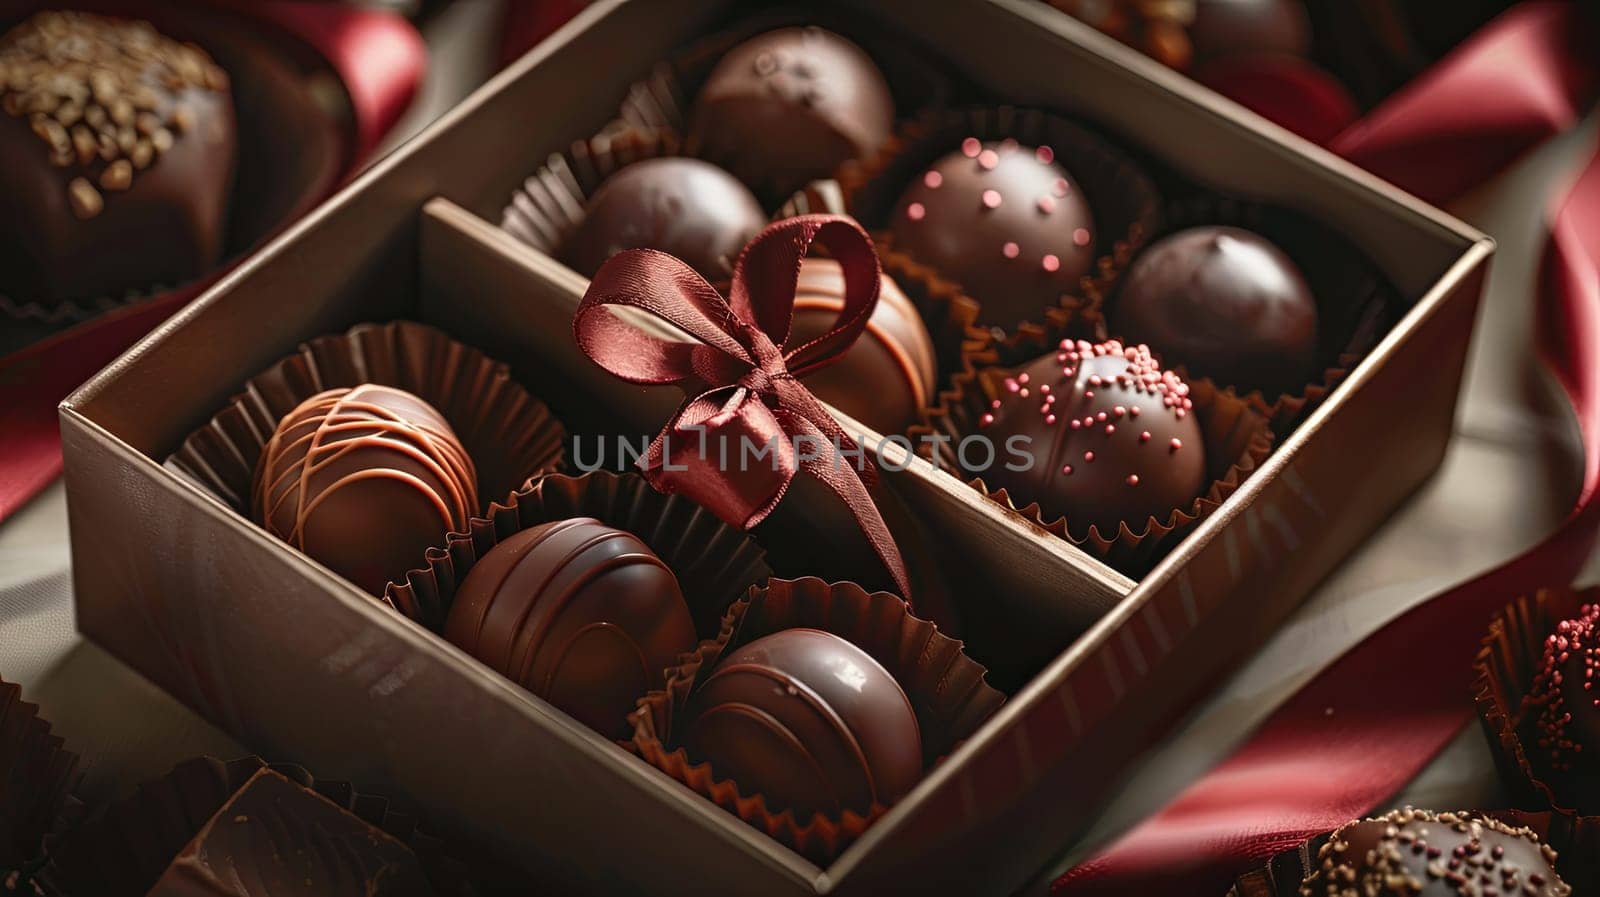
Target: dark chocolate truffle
(1005, 221)
(275, 837)
(1225, 304)
(365, 480)
(788, 107)
(117, 151)
(1562, 708)
(1107, 437)
(684, 207)
(1239, 27)
(579, 613)
(810, 722)
(1417, 853)
(887, 377)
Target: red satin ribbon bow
(748, 425)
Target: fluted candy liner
(122, 849)
(947, 690)
(37, 776)
(1504, 674)
(1575, 839)
(1126, 203)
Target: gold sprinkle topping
(86, 201)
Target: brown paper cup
(1237, 437)
(510, 435)
(1504, 670)
(37, 775)
(1576, 839)
(1355, 305)
(1126, 203)
(946, 688)
(126, 846)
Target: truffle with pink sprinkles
(1562, 708)
(1111, 437)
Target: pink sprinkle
(1049, 418)
(915, 211)
(1088, 457)
(1111, 428)
(995, 404)
(1067, 469)
(1008, 144)
(1177, 444)
(971, 147)
(1133, 479)
(1061, 187)
(1023, 377)
(1045, 154)
(1134, 411)
(1051, 263)
(1101, 417)
(1081, 236)
(1075, 423)
(1145, 436)
(1010, 250)
(988, 159)
(1088, 393)
(933, 179)
(986, 420)
(1023, 392)
(991, 199)
(1119, 411)
(1047, 205)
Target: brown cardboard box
(298, 663)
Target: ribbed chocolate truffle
(809, 721)
(1005, 221)
(365, 480)
(1226, 304)
(788, 107)
(117, 151)
(581, 614)
(1107, 437)
(1561, 710)
(1417, 853)
(887, 377)
(684, 207)
(1240, 27)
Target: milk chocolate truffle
(684, 207)
(1224, 303)
(1239, 27)
(1561, 711)
(275, 837)
(117, 151)
(1005, 221)
(787, 107)
(365, 480)
(810, 722)
(1106, 436)
(1417, 853)
(579, 613)
(887, 377)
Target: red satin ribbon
(1527, 76)
(741, 378)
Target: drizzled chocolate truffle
(1106, 435)
(1416, 853)
(684, 207)
(1561, 710)
(788, 107)
(1005, 221)
(117, 151)
(365, 480)
(581, 614)
(810, 722)
(887, 377)
(1226, 304)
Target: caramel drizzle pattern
(819, 292)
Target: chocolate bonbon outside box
(294, 661)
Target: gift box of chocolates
(427, 495)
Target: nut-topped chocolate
(1417, 853)
(1005, 221)
(117, 149)
(1105, 435)
(790, 106)
(365, 480)
(1561, 710)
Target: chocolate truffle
(117, 151)
(1239, 27)
(1562, 708)
(365, 480)
(810, 722)
(1417, 853)
(887, 377)
(1106, 436)
(1005, 221)
(275, 837)
(1225, 304)
(789, 106)
(684, 207)
(579, 613)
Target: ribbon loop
(733, 445)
